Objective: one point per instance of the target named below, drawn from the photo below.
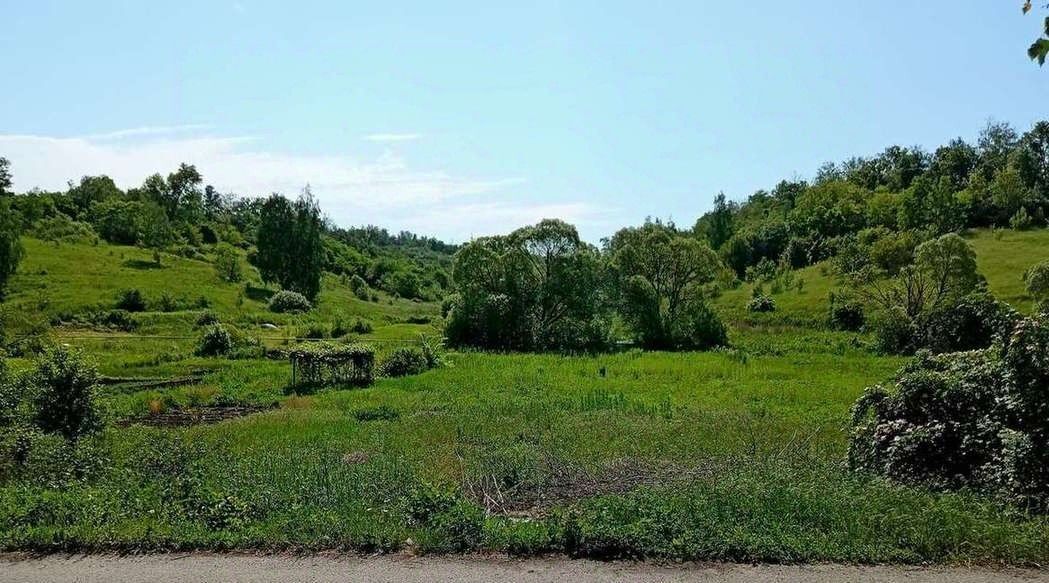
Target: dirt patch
(566, 483)
(196, 416)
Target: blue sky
(463, 119)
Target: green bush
(403, 362)
(216, 340)
(1036, 280)
(61, 228)
(972, 419)
(894, 332)
(357, 325)
(121, 320)
(845, 314)
(63, 385)
(131, 300)
(287, 301)
(761, 303)
(207, 318)
(359, 287)
(227, 263)
(1021, 221)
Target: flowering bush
(289, 301)
(977, 419)
(761, 303)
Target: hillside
(1002, 257)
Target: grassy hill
(1002, 257)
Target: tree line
(289, 240)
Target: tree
(93, 189)
(290, 250)
(537, 288)
(716, 226)
(660, 274)
(5, 177)
(64, 400)
(943, 272)
(1039, 49)
(11, 250)
(227, 263)
(157, 233)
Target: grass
(725, 455)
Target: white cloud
(385, 191)
(147, 131)
(388, 138)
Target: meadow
(732, 454)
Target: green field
(734, 454)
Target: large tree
(290, 251)
(537, 288)
(659, 274)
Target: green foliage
(130, 300)
(1036, 280)
(63, 385)
(1039, 49)
(761, 303)
(538, 288)
(845, 314)
(290, 251)
(287, 301)
(215, 340)
(403, 362)
(968, 419)
(1021, 221)
(659, 275)
(62, 229)
(11, 249)
(227, 263)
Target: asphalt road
(402, 569)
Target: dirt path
(401, 569)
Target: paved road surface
(402, 569)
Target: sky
(458, 119)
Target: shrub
(216, 340)
(969, 324)
(131, 300)
(403, 362)
(207, 318)
(289, 301)
(845, 314)
(63, 229)
(1036, 280)
(761, 302)
(227, 263)
(116, 320)
(1021, 221)
(167, 302)
(357, 325)
(433, 351)
(359, 287)
(315, 331)
(701, 328)
(972, 419)
(894, 332)
(63, 384)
